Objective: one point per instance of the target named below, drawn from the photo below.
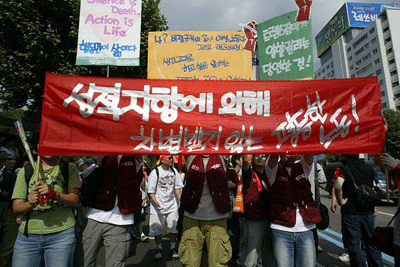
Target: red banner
(109, 116)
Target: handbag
(382, 237)
(323, 210)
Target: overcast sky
(227, 15)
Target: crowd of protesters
(194, 197)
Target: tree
(41, 36)
(393, 135)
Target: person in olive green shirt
(50, 237)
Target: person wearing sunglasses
(164, 189)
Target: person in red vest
(111, 215)
(293, 211)
(206, 204)
(258, 244)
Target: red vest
(289, 191)
(254, 208)
(122, 181)
(216, 180)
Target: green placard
(285, 48)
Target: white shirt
(164, 189)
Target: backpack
(92, 180)
(64, 169)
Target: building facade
(369, 49)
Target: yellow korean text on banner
(197, 55)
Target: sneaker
(159, 254)
(344, 257)
(144, 238)
(174, 254)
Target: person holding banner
(293, 211)
(46, 202)
(206, 204)
(258, 247)
(112, 213)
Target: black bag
(366, 196)
(92, 179)
(383, 237)
(323, 210)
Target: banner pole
(108, 71)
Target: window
(366, 57)
(390, 50)
(378, 72)
(375, 51)
(351, 67)
(384, 105)
(395, 84)
(327, 67)
(377, 61)
(381, 82)
(359, 51)
(383, 93)
(373, 40)
(356, 43)
(323, 70)
(386, 29)
(372, 30)
(348, 49)
(366, 45)
(353, 75)
(391, 61)
(350, 58)
(392, 73)
(388, 40)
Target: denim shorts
(55, 249)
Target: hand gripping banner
(110, 116)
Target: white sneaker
(344, 257)
(144, 238)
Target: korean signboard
(362, 14)
(285, 48)
(198, 56)
(109, 33)
(332, 31)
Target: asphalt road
(329, 239)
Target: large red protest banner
(109, 116)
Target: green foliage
(393, 135)
(41, 36)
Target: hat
(162, 157)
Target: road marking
(340, 244)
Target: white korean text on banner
(113, 116)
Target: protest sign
(110, 116)
(109, 33)
(285, 48)
(196, 55)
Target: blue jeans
(292, 249)
(51, 249)
(359, 228)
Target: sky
(229, 15)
